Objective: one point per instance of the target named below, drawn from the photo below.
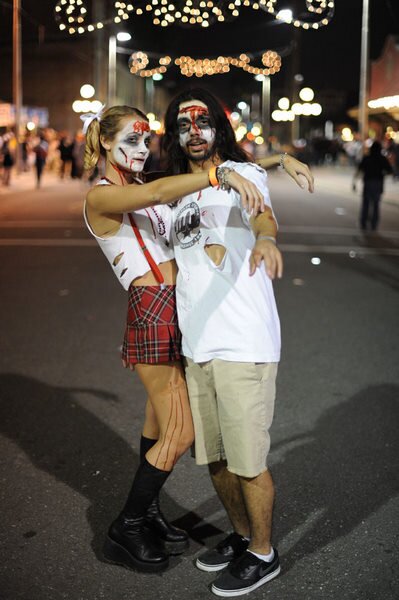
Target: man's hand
(297, 169)
(266, 251)
(252, 199)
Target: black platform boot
(129, 542)
(174, 540)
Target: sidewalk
(339, 179)
(56, 199)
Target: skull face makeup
(129, 149)
(196, 135)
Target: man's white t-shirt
(223, 312)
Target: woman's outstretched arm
(117, 199)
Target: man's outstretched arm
(295, 168)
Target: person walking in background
(374, 166)
(78, 151)
(66, 156)
(8, 162)
(393, 157)
(41, 151)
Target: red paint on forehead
(141, 127)
(194, 109)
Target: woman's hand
(297, 169)
(266, 251)
(252, 199)
(127, 365)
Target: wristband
(213, 180)
(282, 157)
(266, 237)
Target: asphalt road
(70, 416)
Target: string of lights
(72, 15)
(271, 64)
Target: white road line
(295, 248)
(48, 242)
(314, 230)
(42, 224)
(308, 229)
(307, 248)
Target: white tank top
(123, 250)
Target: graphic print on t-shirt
(187, 225)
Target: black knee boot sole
(172, 547)
(117, 554)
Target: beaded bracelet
(282, 157)
(222, 173)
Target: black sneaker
(245, 575)
(227, 550)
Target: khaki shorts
(232, 404)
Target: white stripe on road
(308, 229)
(48, 242)
(314, 230)
(305, 248)
(296, 248)
(42, 224)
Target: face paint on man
(130, 147)
(196, 135)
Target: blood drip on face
(120, 172)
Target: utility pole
(266, 107)
(100, 80)
(364, 63)
(16, 77)
(112, 70)
(295, 78)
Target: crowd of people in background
(62, 153)
(56, 152)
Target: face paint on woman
(196, 136)
(130, 147)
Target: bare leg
(129, 542)
(229, 490)
(167, 393)
(258, 493)
(150, 426)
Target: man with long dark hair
(231, 333)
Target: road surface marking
(296, 248)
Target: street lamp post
(266, 106)
(363, 108)
(100, 75)
(112, 70)
(121, 36)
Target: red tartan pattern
(152, 334)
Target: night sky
(329, 58)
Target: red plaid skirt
(152, 334)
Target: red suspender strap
(153, 265)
